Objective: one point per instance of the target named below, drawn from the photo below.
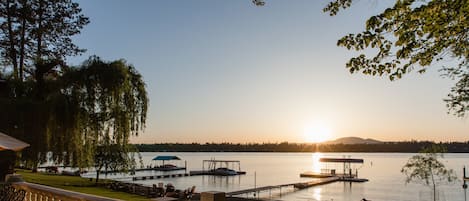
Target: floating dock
(210, 172)
(144, 169)
(344, 164)
(219, 168)
(326, 175)
(160, 176)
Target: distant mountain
(353, 140)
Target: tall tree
(62, 110)
(92, 105)
(34, 30)
(413, 35)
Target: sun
(317, 132)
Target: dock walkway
(159, 176)
(299, 185)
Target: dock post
(464, 186)
(255, 185)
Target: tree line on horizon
(400, 147)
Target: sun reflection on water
(316, 164)
(317, 193)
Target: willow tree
(85, 107)
(99, 103)
(62, 110)
(412, 36)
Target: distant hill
(353, 140)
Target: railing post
(36, 192)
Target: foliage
(414, 35)
(114, 158)
(33, 30)
(65, 111)
(425, 168)
(71, 114)
(258, 2)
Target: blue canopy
(166, 158)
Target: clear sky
(228, 71)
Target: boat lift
(333, 164)
(214, 164)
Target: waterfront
(382, 169)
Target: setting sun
(317, 132)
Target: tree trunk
(34, 169)
(434, 192)
(97, 175)
(434, 185)
(22, 46)
(39, 31)
(11, 38)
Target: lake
(386, 182)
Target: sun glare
(316, 163)
(317, 132)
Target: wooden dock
(208, 172)
(325, 175)
(144, 169)
(159, 176)
(299, 185)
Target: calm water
(263, 169)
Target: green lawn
(78, 184)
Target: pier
(211, 172)
(160, 176)
(298, 185)
(145, 169)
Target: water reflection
(221, 181)
(386, 181)
(316, 164)
(317, 193)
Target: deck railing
(36, 192)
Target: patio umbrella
(10, 143)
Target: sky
(229, 71)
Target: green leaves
(68, 116)
(413, 34)
(425, 168)
(36, 30)
(334, 6)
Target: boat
(168, 167)
(224, 172)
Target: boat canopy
(166, 158)
(341, 160)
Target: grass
(77, 184)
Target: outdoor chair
(188, 193)
(9, 193)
